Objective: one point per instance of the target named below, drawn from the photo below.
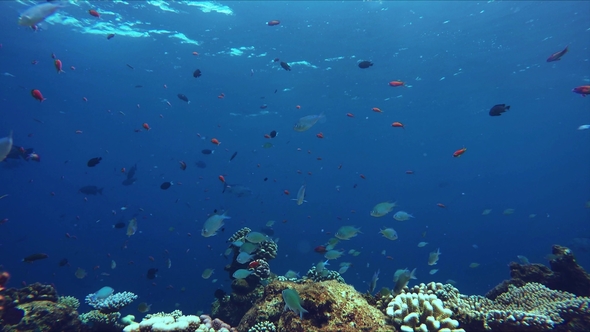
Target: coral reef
(264, 326)
(330, 275)
(70, 301)
(532, 307)
(176, 321)
(421, 312)
(249, 289)
(35, 308)
(331, 306)
(565, 275)
(112, 303)
(96, 320)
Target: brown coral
(44, 316)
(331, 306)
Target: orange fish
(375, 109)
(363, 177)
(459, 152)
(123, 170)
(195, 53)
(58, 65)
(286, 192)
(72, 68)
(441, 205)
(266, 136)
(398, 124)
(37, 95)
(350, 115)
(396, 83)
(273, 23)
(557, 55)
(320, 135)
(215, 141)
(78, 131)
(84, 98)
(93, 13)
(146, 126)
(221, 178)
(298, 107)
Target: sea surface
(456, 60)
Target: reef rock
(43, 316)
(565, 275)
(331, 306)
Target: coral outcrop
(331, 306)
(35, 308)
(565, 274)
(532, 307)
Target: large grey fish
(91, 190)
(236, 189)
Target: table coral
(331, 306)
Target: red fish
(459, 152)
(557, 55)
(215, 141)
(146, 126)
(396, 83)
(320, 249)
(58, 66)
(583, 90)
(37, 95)
(398, 124)
(273, 23)
(93, 13)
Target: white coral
(421, 313)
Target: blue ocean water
(457, 59)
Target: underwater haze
(118, 99)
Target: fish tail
(507, 107)
(100, 190)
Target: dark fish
(497, 110)
(236, 189)
(275, 90)
(265, 179)
(63, 262)
(207, 151)
(128, 182)
(139, 86)
(201, 164)
(268, 231)
(182, 165)
(365, 64)
(273, 134)
(128, 65)
(183, 97)
(91, 190)
(233, 156)
(285, 66)
(17, 152)
(197, 73)
(94, 161)
(132, 171)
(165, 185)
(110, 35)
(34, 257)
(263, 106)
(151, 273)
(119, 225)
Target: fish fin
(507, 107)
(100, 190)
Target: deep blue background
(531, 159)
